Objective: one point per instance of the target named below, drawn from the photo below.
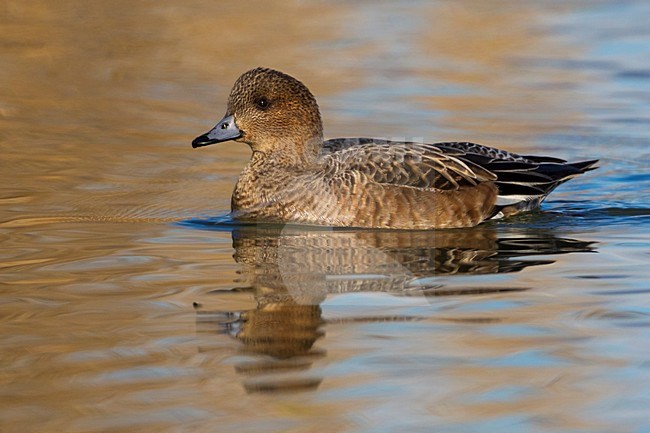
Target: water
(130, 302)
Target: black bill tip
(203, 140)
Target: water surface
(131, 302)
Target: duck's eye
(262, 103)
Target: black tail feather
(515, 178)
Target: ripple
(223, 222)
(605, 314)
(643, 74)
(625, 292)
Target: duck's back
(459, 173)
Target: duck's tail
(523, 186)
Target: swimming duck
(294, 176)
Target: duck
(294, 176)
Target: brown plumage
(294, 176)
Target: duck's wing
(523, 181)
(407, 164)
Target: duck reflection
(290, 270)
(307, 265)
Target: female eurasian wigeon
(296, 177)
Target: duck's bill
(225, 130)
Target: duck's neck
(262, 178)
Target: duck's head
(272, 112)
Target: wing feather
(416, 165)
(451, 165)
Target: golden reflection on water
(98, 104)
(487, 48)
